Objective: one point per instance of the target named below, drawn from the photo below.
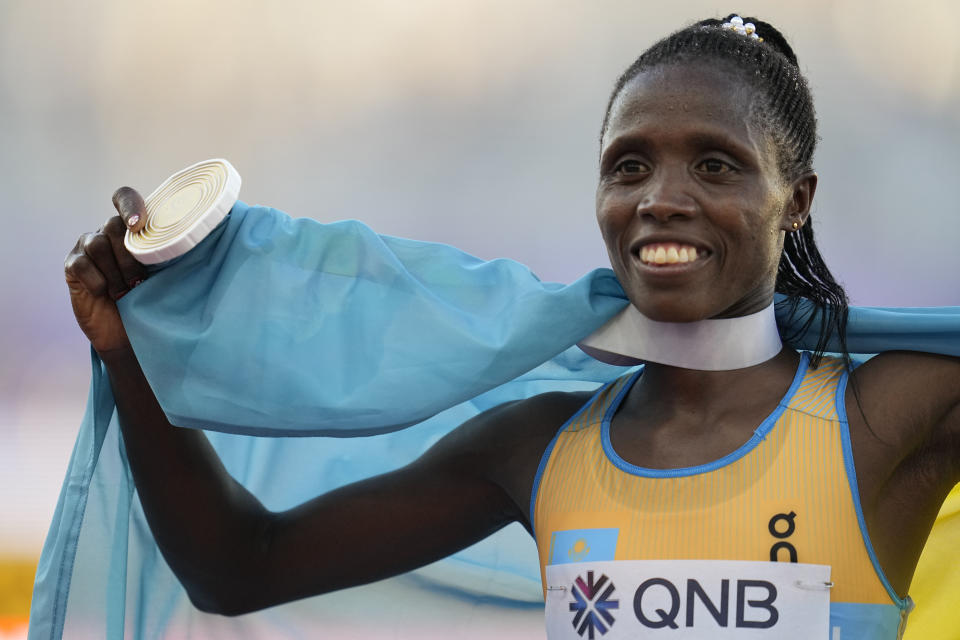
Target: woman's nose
(666, 195)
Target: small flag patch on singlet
(582, 545)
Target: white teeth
(667, 253)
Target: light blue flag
(282, 327)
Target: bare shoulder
(911, 401)
(505, 443)
(919, 388)
(513, 423)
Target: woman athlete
(703, 200)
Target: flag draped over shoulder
(273, 328)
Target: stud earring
(796, 225)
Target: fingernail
(133, 220)
(133, 283)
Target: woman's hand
(99, 271)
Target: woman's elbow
(207, 603)
(221, 604)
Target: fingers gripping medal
(183, 210)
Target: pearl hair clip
(748, 29)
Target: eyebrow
(698, 140)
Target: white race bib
(687, 600)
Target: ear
(797, 207)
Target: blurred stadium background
(462, 121)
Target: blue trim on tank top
(841, 407)
(546, 454)
(758, 435)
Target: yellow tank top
(789, 494)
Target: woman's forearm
(206, 523)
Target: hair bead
(737, 25)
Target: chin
(672, 300)
(676, 309)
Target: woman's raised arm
(232, 554)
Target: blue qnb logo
(592, 605)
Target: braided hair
(784, 111)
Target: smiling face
(691, 203)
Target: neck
(710, 392)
